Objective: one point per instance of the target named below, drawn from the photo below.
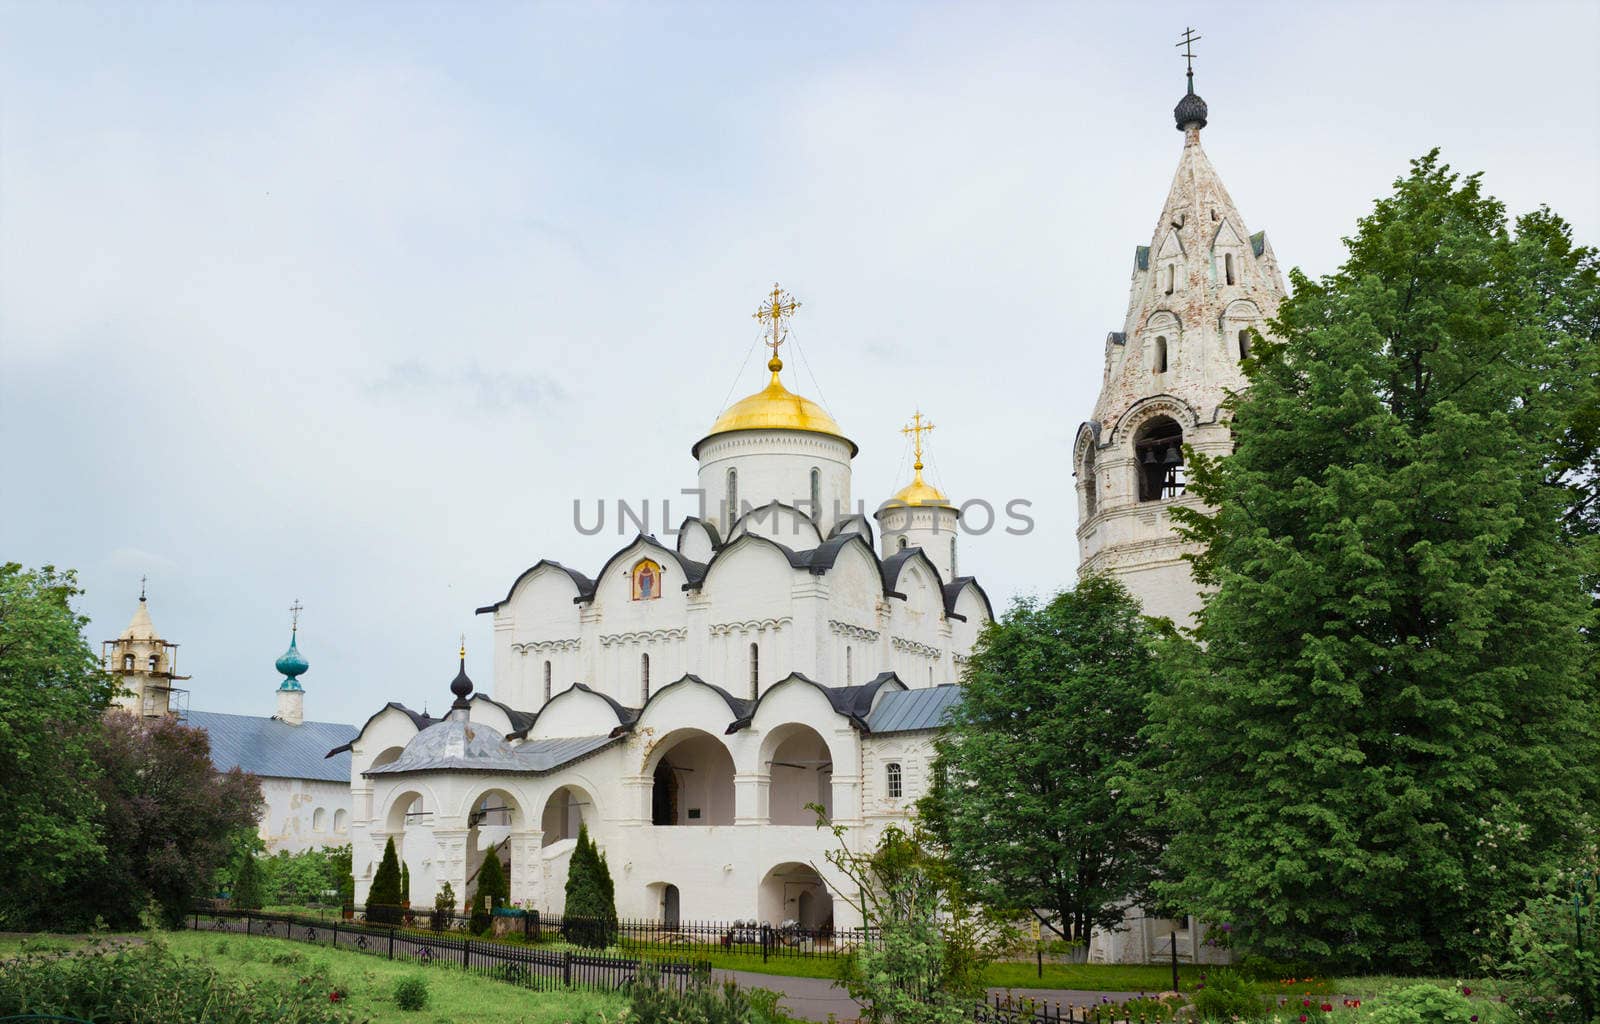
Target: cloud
(469, 391)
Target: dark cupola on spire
(1191, 110)
(461, 685)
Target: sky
(348, 303)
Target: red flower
(1466, 991)
(1327, 1007)
(1305, 1002)
(1302, 1019)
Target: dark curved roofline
(692, 571)
(518, 719)
(952, 593)
(775, 503)
(736, 705)
(708, 525)
(895, 563)
(854, 517)
(625, 715)
(583, 583)
(418, 719)
(853, 702)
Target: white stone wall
(304, 814)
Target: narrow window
(902, 543)
(1244, 344)
(816, 494)
(319, 819)
(127, 663)
(1227, 263)
(341, 820)
(892, 770)
(930, 675)
(1091, 482)
(953, 571)
(1160, 362)
(1172, 277)
(154, 661)
(733, 497)
(547, 680)
(755, 671)
(849, 666)
(644, 677)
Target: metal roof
(465, 746)
(913, 710)
(267, 746)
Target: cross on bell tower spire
(1187, 42)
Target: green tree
(52, 694)
(384, 896)
(931, 945)
(247, 885)
(168, 816)
(405, 882)
(1027, 794)
(1384, 733)
(590, 914)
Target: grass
(453, 995)
(12, 944)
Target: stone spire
(146, 666)
(1200, 292)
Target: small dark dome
(461, 686)
(1190, 110)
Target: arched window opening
(733, 497)
(902, 543)
(547, 684)
(563, 813)
(816, 494)
(800, 774)
(1244, 344)
(1172, 277)
(1227, 264)
(1091, 482)
(755, 671)
(127, 663)
(1159, 363)
(895, 787)
(693, 783)
(1158, 453)
(319, 819)
(341, 820)
(644, 678)
(155, 660)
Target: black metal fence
(517, 964)
(1006, 1010)
(644, 938)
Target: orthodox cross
(916, 428)
(294, 615)
(1188, 41)
(142, 580)
(778, 308)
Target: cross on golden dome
(774, 312)
(916, 428)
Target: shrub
(405, 882)
(1551, 976)
(652, 1002)
(492, 882)
(590, 915)
(1421, 1004)
(1228, 995)
(383, 899)
(444, 904)
(411, 993)
(102, 983)
(247, 886)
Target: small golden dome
(775, 407)
(920, 492)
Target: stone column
(751, 791)
(450, 862)
(527, 882)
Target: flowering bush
(1422, 1004)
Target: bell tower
(1201, 292)
(146, 666)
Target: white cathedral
(687, 702)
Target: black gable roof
(584, 584)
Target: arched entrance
(692, 781)
(795, 892)
(800, 772)
(491, 818)
(566, 809)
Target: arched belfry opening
(1158, 455)
(1089, 479)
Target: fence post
(391, 943)
(247, 923)
(335, 942)
(1174, 961)
(466, 951)
(765, 941)
(566, 967)
(197, 919)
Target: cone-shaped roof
(140, 627)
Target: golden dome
(920, 492)
(775, 407)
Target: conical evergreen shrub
(383, 899)
(247, 885)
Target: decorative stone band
(749, 626)
(644, 636)
(912, 647)
(853, 632)
(545, 646)
(961, 659)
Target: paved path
(816, 998)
